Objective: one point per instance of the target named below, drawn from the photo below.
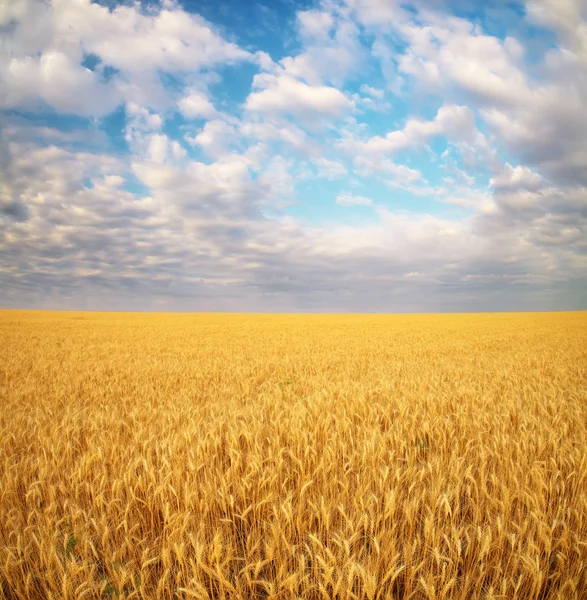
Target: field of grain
(266, 456)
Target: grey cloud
(15, 210)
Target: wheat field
(283, 457)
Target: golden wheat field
(272, 456)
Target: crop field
(293, 457)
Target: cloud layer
(386, 158)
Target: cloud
(13, 209)
(141, 125)
(195, 104)
(378, 13)
(316, 25)
(455, 123)
(372, 164)
(190, 197)
(307, 86)
(161, 149)
(199, 234)
(480, 65)
(57, 80)
(329, 169)
(279, 131)
(282, 94)
(567, 18)
(536, 114)
(135, 42)
(351, 200)
(216, 138)
(45, 45)
(516, 178)
(371, 91)
(332, 51)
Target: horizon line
(286, 313)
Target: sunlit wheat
(240, 456)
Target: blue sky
(334, 155)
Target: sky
(293, 156)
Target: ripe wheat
(284, 457)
